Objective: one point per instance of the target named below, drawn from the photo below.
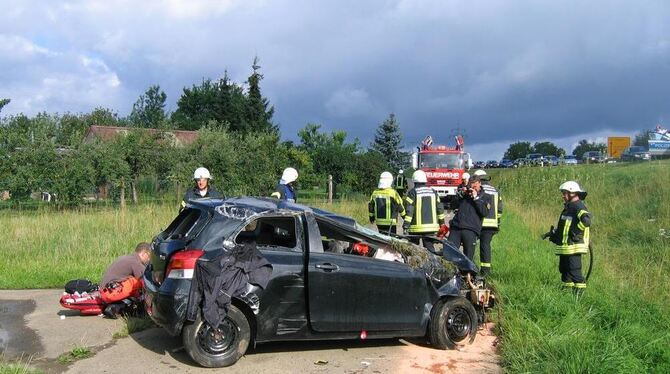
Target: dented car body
(331, 279)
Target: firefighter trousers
(570, 267)
(385, 229)
(485, 239)
(466, 238)
(428, 244)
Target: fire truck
(444, 166)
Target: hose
(588, 272)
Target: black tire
(453, 322)
(218, 350)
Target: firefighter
(401, 183)
(385, 205)
(424, 213)
(121, 282)
(202, 188)
(571, 236)
(490, 223)
(466, 226)
(286, 187)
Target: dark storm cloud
(504, 71)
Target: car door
(349, 292)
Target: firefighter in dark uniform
(571, 236)
(401, 183)
(202, 188)
(424, 212)
(466, 226)
(490, 223)
(385, 205)
(286, 187)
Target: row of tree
(237, 141)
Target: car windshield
(570, 157)
(440, 161)
(534, 155)
(637, 149)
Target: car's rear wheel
(218, 347)
(453, 322)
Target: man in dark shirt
(465, 227)
(202, 188)
(122, 278)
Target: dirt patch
(479, 357)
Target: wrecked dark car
(328, 278)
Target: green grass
(20, 366)
(47, 248)
(77, 353)
(132, 325)
(622, 322)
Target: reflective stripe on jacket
(384, 206)
(492, 218)
(400, 182)
(423, 210)
(572, 231)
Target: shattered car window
(273, 233)
(355, 241)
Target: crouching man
(122, 280)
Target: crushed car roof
(265, 204)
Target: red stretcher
(87, 303)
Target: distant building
(177, 138)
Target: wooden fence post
(330, 189)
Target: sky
(502, 71)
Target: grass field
(621, 323)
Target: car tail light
(182, 264)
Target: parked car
(593, 157)
(492, 164)
(519, 162)
(479, 165)
(569, 160)
(550, 160)
(330, 279)
(635, 153)
(535, 159)
(505, 163)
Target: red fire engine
(444, 166)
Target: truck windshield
(440, 161)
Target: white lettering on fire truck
(443, 175)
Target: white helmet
(480, 173)
(400, 171)
(570, 186)
(289, 175)
(419, 176)
(466, 176)
(385, 180)
(201, 173)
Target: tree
(548, 149)
(642, 138)
(387, 142)
(103, 117)
(518, 150)
(4, 102)
(331, 154)
(258, 115)
(149, 109)
(222, 102)
(584, 146)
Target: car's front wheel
(218, 347)
(453, 321)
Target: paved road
(31, 325)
